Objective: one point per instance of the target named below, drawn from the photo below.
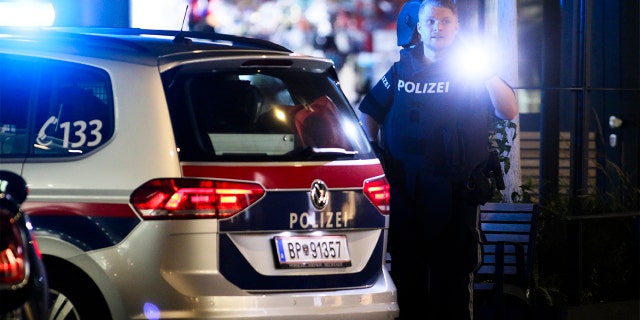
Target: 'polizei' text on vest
(423, 87)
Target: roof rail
(178, 34)
(57, 34)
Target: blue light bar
(27, 13)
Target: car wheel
(61, 307)
(72, 294)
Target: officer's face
(438, 27)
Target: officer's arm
(371, 127)
(503, 98)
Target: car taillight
(377, 191)
(194, 198)
(13, 259)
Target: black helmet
(406, 24)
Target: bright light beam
(474, 61)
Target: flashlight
(473, 61)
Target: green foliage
(502, 133)
(524, 196)
(608, 243)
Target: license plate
(312, 251)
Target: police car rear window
(263, 115)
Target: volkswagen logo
(319, 194)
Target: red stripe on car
(88, 209)
(292, 176)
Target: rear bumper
(376, 302)
(176, 275)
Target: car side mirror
(13, 186)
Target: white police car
(183, 175)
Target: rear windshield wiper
(321, 153)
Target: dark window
(263, 115)
(53, 109)
(16, 84)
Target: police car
(182, 175)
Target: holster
(493, 169)
(478, 189)
(483, 181)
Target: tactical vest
(439, 120)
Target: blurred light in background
(27, 13)
(158, 14)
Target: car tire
(72, 294)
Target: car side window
(51, 109)
(74, 111)
(16, 83)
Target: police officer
(433, 120)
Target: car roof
(144, 46)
